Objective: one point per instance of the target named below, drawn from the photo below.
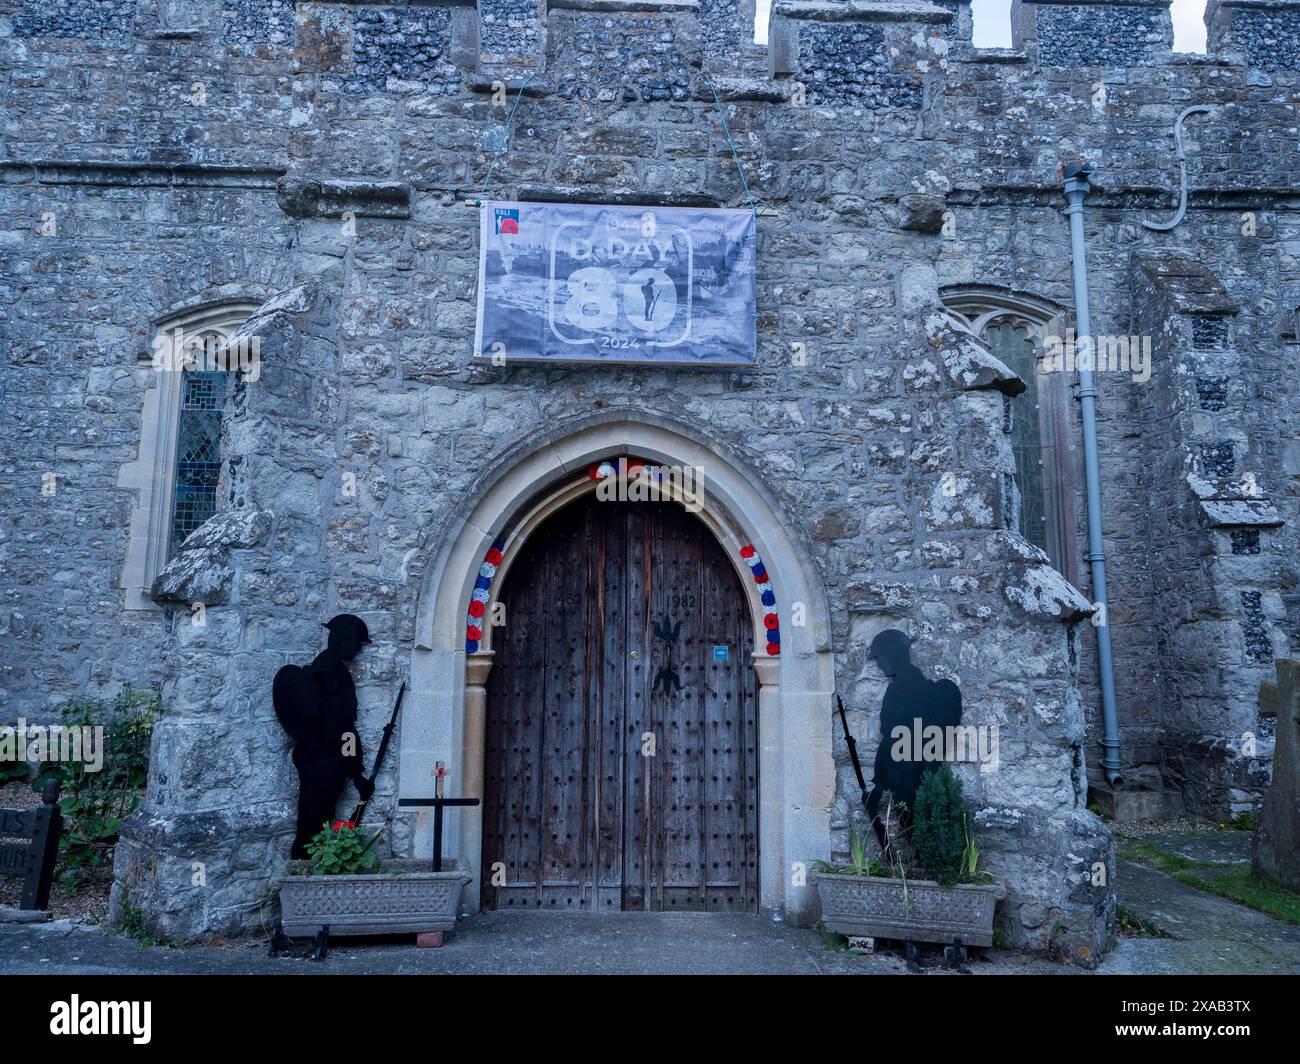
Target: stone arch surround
(542, 474)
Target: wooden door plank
(609, 565)
(560, 751)
(637, 846)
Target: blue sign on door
(720, 653)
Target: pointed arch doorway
(621, 745)
(537, 476)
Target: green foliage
(1148, 853)
(94, 803)
(1244, 822)
(1131, 925)
(12, 772)
(939, 827)
(133, 925)
(834, 943)
(341, 849)
(1243, 886)
(858, 849)
(871, 866)
(970, 854)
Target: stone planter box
(392, 902)
(874, 907)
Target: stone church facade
(302, 180)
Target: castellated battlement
(857, 53)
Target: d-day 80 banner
(587, 283)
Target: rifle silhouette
(359, 811)
(853, 746)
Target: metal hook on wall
(1182, 168)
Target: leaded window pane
(198, 451)
(1014, 347)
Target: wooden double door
(622, 735)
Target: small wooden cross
(438, 802)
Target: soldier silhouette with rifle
(317, 706)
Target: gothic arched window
(1015, 327)
(174, 476)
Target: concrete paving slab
(1214, 936)
(1206, 847)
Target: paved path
(1206, 847)
(1214, 936)
(505, 943)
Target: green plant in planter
(860, 862)
(342, 849)
(939, 828)
(970, 856)
(858, 851)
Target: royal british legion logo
(507, 220)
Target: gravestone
(1276, 850)
(33, 860)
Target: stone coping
(635, 197)
(624, 5)
(1258, 5)
(119, 173)
(863, 11)
(1099, 3)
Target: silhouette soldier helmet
(891, 650)
(348, 634)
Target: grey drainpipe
(1077, 188)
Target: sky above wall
(993, 24)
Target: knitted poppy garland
(767, 596)
(482, 593)
(478, 601)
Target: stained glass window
(198, 451)
(1013, 345)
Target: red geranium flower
(339, 825)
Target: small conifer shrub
(939, 827)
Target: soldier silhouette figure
(317, 706)
(911, 701)
(650, 296)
